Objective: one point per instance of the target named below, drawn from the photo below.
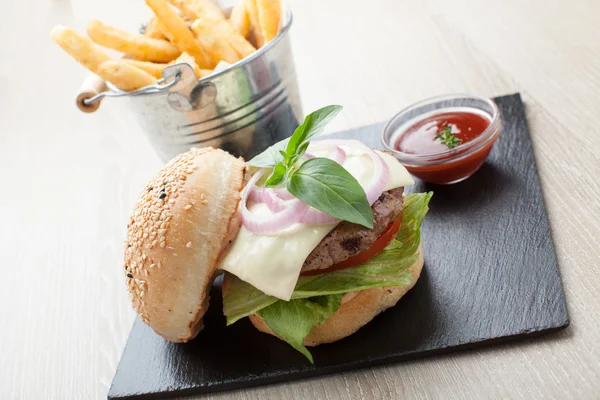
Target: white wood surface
(69, 181)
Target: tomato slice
(381, 243)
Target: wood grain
(73, 179)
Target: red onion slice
(268, 196)
(261, 195)
(338, 155)
(381, 172)
(283, 194)
(373, 189)
(317, 217)
(381, 175)
(266, 224)
(288, 212)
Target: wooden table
(70, 181)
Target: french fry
(183, 38)
(217, 47)
(137, 46)
(156, 30)
(210, 14)
(239, 43)
(243, 47)
(79, 47)
(205, 72)
(151, 30)
(269, 14)
(239, 20)
(124, 76)
(195, 9)
(154, 69)
(186, 58)
(256, 31)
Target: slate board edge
(357, 366)
(544, 202)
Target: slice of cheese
(272, 263)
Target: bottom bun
(357, 309)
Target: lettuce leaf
(386, 269)
(293, 320)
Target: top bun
(182, 221)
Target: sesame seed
(150, 222)
(188, 245)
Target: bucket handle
(94, 89)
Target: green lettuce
(293, 320)
(316, 298)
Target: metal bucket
(243, 109)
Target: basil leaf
(277, 176)
(313, 125)
(293, 320)
(296, 145)
(327, 186)
(270, 157)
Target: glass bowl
(451, 165)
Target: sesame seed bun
(357, 309)
(182, 221)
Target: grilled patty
(348, 239)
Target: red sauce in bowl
(445, 147)
(420, 138)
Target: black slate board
(490, 275)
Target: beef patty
(348, 239)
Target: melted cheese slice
(272, 263)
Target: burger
(314, 238)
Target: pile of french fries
(190, 31)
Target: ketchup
(420, 138)
(443, 142)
